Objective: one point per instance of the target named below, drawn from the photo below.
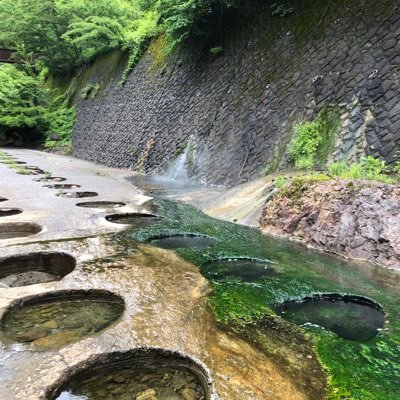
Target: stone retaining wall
(237, 110)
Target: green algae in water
(150, 383)
(54, 323)
(349, 319)
(247, 270)
(356, 370)
(183, 241)
(136, 220)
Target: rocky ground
(357, 219)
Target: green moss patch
(355, 370)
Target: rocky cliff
(357, 219)
(234, 111)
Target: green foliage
(215, 51)
(299, 184)
(64, 34)
(61, 122)
(27, 113)
(281, 10)
(90, 91)
(280, 182)
(312, 141)
(191, 18)
(369, 168)
(23, 103)
(356, 370)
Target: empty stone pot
(6, 212)
(77, 195)
(101, 204)
(18, 229)
(33, 268)
(62, 186)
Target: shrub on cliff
(312, 140)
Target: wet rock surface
(139, 384)
(358, 219)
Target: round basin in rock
(183, 241)
(6, 212)
(350, 317)
(13, 162)
(56, 319)
(245, 269)
(145, 374)
(18, 229)
(32, 268)
(101, 204)
(51, 179)
(62, 186)
(137, 220)
(77, 195)
(35, 170)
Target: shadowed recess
(101, 204)
(77, 195)
(137, 220)
(35, 170)
(350, 317)
(245, 269)
(51, 179)
(56, 319)
(138, 374)
(3, 199)
(62, 186)
(6, 212)
(32, 268)
(12, 162)
(18, 229)
(182, 241)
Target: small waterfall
(178, 171)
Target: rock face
(356, 219)
(237, 110)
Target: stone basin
(101, 204)
(138, 220)
(33, 268)
(51, 179)
(138, 374)
(62, 186)
(182, 241)
(77, 195)
(349, 317)
(18, 229)
(53, 320)
(245, 269)
(6, 212)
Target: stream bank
(225, 322)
